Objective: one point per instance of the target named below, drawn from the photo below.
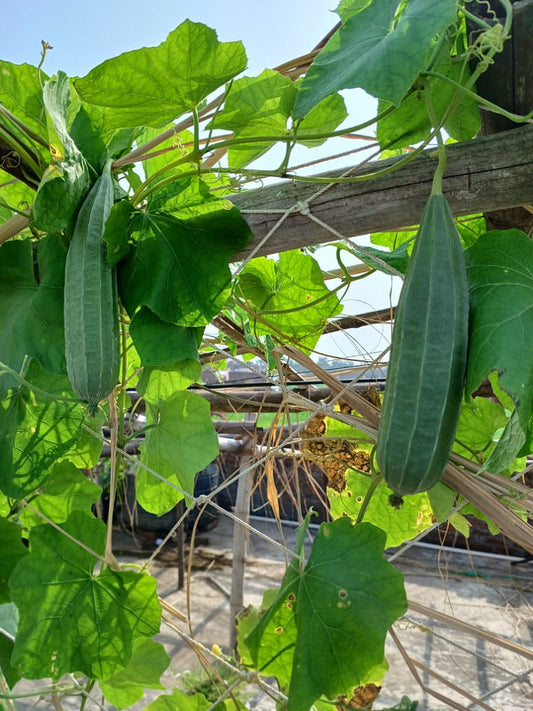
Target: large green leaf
(73, 619)
(21, 93)
(36, 429)
(256, 106)
(148, 661)
(180, 269)
(154, 85)
(376, 51)
(289, 297)
(12, 551)
(159, 384)
(402, 524)
(65, 490)
(180, 444)
(31, 310)
(344, 600)
(500, 274)
(161, 343)
(66, 179)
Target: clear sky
(84, 34)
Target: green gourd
(92, 341)
(427, 365)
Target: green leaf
(179, 269)
(414, 516)
(181, 443)
(409, 123)
(154, 85)
(480, 424)
(21, 93)
(66, 180)
(31, 311)
(500, 274)
(65, 490)
(276, 651)
(14, 194)
(73, 619)
(180, 700)
(394, 240)
(376, 51)
(148, 661)
(8, 630)
(36, 431)
(12, 551)
(86, 453)
(160, 343)
(323, 118)
(289, 296)
(256, 106)
(116, 231)
(159, 384)
(345, 600)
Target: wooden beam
(489, 173)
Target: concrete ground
(466, 667)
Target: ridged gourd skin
(92, 338)
(425, 377)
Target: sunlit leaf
(181, 443)
(148, 661)
(65, 490)
(159, 384)
(21, 93)
(256, 106)
(402, 524)
(37, 428)
(73, 619)
(66, 179)
(289, 297)
(154, 85)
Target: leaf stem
(374, 482)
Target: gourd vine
(119, 286)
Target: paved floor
(493, 595)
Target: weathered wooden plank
(489, 173)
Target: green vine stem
(110, 559)
(374, 483)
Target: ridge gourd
(92, 342)
(425, 377)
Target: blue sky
(85, 34)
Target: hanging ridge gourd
(427, 365)
(92, 341)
